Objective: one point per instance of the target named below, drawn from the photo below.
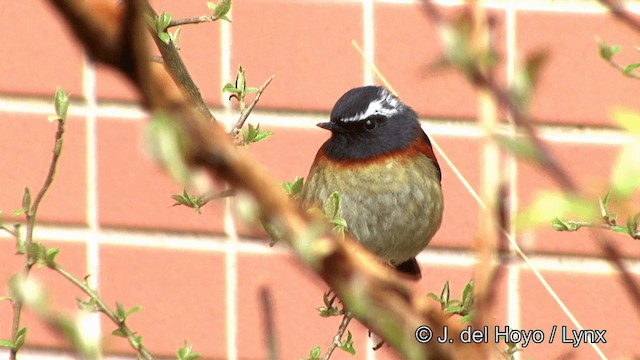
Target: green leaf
(190, 200)
(607, 51)
(632, 225)
(293, 187)
(620, 229)
(121, 313)
(435, 297)
(166, 141)
(186, 352)
(133, 310)
(119, 332)
(329, 311)
(90, 305)
(162, 21)
(630, 68)
(20, 239)
(467, 295)
(250, 90)
(26, 200)
(314, 354)
(445, 293)
(603, 203)
(137, 341)
(221, 9)
(229, 87)
(241, 80)
(50, 257)
(254, 134)
(347, 344)
(6, 343)
(262, 135)
(332, 205)
(175, 36)
(18, 212)
(21, 335)
(36, 252)
(61, 104)
(164, 36)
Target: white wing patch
(388, 105)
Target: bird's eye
(370, 124)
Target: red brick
(276, 154)
(38, 53)
(576, 86)
(134, 191)
(200, 50)
(589, 165)
(598, 302)
(307, 46)
(181, 293)
(407, 44)
(296, 294)
(29, 139)
(60, 292)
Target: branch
(346, 319)
(622, 14)
(178, 71)
(31, 213)
(377, 297)
(192, 20)
(103, 308)
(271, 342)
(246, 112)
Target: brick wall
(109, 212)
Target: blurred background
(197, 277)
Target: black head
(369, 121)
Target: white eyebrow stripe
(387, 106)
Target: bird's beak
(326, 125)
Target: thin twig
(11, 232)
(270, 337)
(246, 112)
(622, 69)
(103, 308)
(192, 20)
(178, 71)
(31, 213)
(346, 319)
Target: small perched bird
(381, 162)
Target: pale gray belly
(393, 210)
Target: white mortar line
(231, 242)
(92, 246)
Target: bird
(383, 165)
